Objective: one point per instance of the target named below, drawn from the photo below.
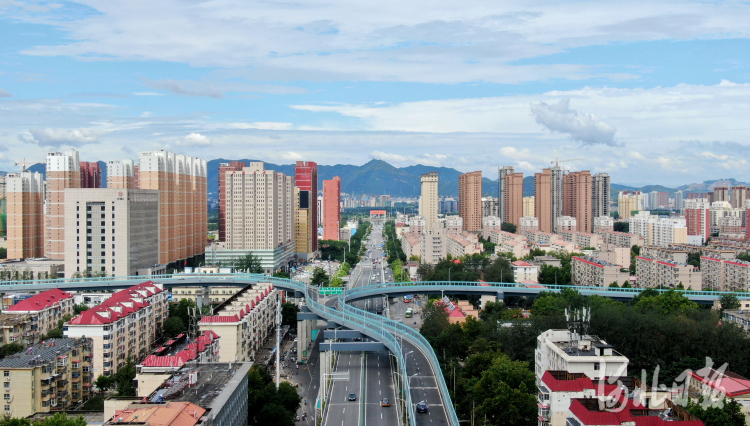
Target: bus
(409, 313)
(407, 298)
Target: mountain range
(379, 177)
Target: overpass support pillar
(304, 338)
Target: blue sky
(650, 93)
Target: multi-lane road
(371, 376)
(370, 373)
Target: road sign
(325, 291)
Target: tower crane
(558, 160)
(24, 163)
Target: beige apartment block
(54, 375)
(519, 249)
(653, 272)
(539, 237)
(429, 201)
(244, 322)
(123, 326)
(491, 224)
(566, 224)
(583, 239)
(183, 211)
(463, 244)
(528, 206)
(30, 319)
(433, 247)
(411, 244)
(668, 253)
(121, 174)
(25, 208)
(615, 255)
(110, 230)
(593, 272)
(725, 275)
(500, 237)
(63, 171)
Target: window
(7, 385)
(596, 366)
(7, 396)
(6, 373)
(7, 408)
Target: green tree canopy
(729, 302)
(508, 227)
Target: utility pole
(278, 340)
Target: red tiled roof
(120, 305)
(190, 352)
(521, 263)
(576, 385)
(210, 319)
(733, 384)
(40, 301)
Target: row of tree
(268, 405)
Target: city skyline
(624, 88)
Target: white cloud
(194, 139)
(148, 94)
(635, 155)
(5, 94)
(585, 128)
(217, 89)
(145, 114)
(385, 156)
(62, 137)
(261, 125)
(389, 41)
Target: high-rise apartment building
(260, 215)
(63, 171)
(470, 200)
(698, 217)
(528, 206)
(332, 203)
(600, 194)
(556, 192)
(738, 196)
(543, 199)
(629, 202)
(513, 198)
(111, 230)
(306, 226)
(501, 188)
(183, 211)
(428, 202)
(578, 198)
(91, 175)
(232, 166)
(678, 201)
(121, 174)
(721, 193)
(25, 198)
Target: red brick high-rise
(470, 200)
(91, 175)
(332, 209)
(232, 166)
(577, 199)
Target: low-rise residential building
(204, 295)
(621, 239)
(524, 271)
(463, 244)
(244, 322)
(566, 224)
(604, 223)
(590, 355)
(653, 272)
(590, 271)
(725, 275)
(670, 253)
(499, 237)
(527, 224)
(561, 246)
(417, 224)
(717, 384)
(434, 246)
(167, 359)
(590, 412)
(28, 320)
(540, 237)
(659, 231)
(53, 375)
(583, 239)
(410, 244)
(616, 255)
(454, 224)
(491, 224)
(31, 269)
(206, 394)
(124, 326)
(519, 249)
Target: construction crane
(24, 163)
(558, 160)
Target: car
(352, 397)
(421, 407)
(385, 403)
